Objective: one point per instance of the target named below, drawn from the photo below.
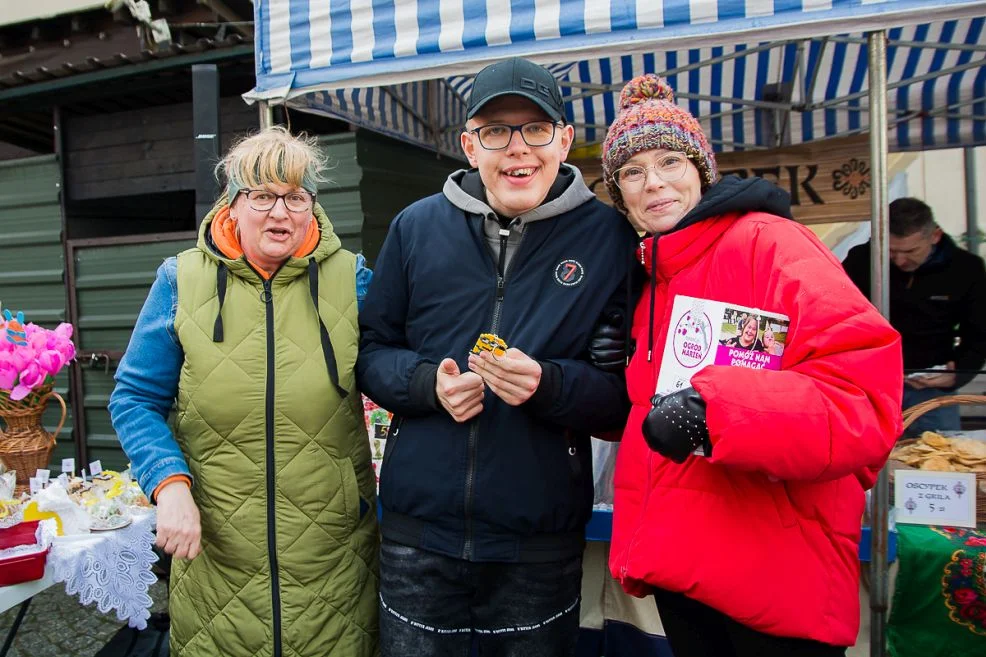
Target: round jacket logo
(692, 338)
(569, 273)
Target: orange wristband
(168, 480)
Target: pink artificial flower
(37, 341)
(20, 357)
(64, 330)
(8, 374)
(51, 361)
(31, 377)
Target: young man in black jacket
(937, 303)
(486, 484)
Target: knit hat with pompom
(649, 119)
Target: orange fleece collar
(224, 235)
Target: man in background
(937, 303)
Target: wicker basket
(25, 445)
(916, 411)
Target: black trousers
(697, 630)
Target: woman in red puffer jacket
(750, 549)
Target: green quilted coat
(280, 459)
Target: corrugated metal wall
(112, 281)
(32, 259)
(395, 175)
(340, 196)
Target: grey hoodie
(465, 190)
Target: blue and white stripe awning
(754, 71)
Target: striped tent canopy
(758, 73)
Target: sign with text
(924, 497)
(828, 180)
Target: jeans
(697, 630)
(946, 418)
(432, 605)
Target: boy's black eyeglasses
(497, 136)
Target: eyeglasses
(669, 168)
(263, 201)
(497, 136)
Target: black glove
(676, 427)
(607, 348)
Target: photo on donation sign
(707, 332)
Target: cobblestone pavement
(57, 625)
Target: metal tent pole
(880, 296)
(971, 202)
(266, 114)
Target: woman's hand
(675, 426)
(179, 529)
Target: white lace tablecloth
(112, 569)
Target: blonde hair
(272, 157)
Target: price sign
(923, 497)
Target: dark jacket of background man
(944, 298)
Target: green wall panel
(112, 282)
(340, 196)
(32, 259)
(395, 175)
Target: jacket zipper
(392, 435)
(473, 444)
(275, 585)
(650, 457)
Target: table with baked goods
(95, 538)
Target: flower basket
(25, 445)
(912, 414)
(30, 358)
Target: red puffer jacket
(766, 530)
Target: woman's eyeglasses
(497, 136)
(263, 201)
(670, 168)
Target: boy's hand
(513, 377)
(459, 394)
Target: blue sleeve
(387, 369)
(147, 384)
(363, 277)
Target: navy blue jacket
(514, 483)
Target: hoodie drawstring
(327, 351)
(653, 285)
(628, 319)
(217, 330)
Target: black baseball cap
(517, 77)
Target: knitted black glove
(676, 427)
(607, 348)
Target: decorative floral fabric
(939, 607)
